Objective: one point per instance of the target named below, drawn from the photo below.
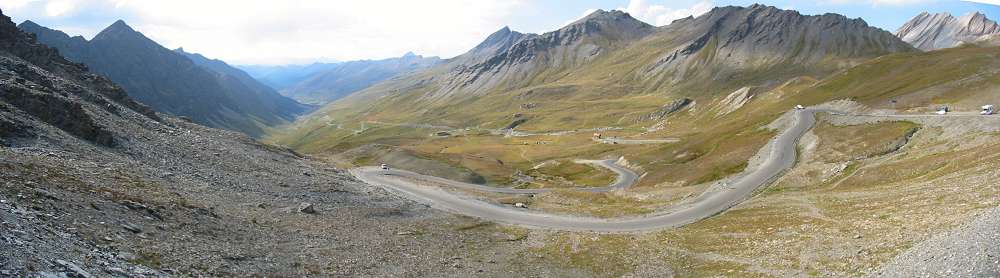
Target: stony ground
(230, 207)
(95, 185)
(972, 250)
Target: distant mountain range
(322, 83)
(936, 31)
(284, 76)
(345, 78)
(207, 91)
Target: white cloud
(991, 2)
(275, 32)
(58, 8)
(297, 31)
(660, 15)
(881, 2)
(12, 5)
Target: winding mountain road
(625, 179)
(425, 189)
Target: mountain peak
(602, 15)
(497, 42)
(29, 24)
(975, 18)
(121, 31)
(599, 13)
(503, 32)
(120, 25)
(409, 54)
(116, 29)
(762, 7)
(754, 7)
(942, 30)
(614, 24)
(975, 14)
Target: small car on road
(384, 166)
(800, 107)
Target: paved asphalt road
(422, 189)
(625, 179)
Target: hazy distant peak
(32, 27)
(30, 24)
(119, 29)
(120, 25)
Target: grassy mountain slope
(604, 70)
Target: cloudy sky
(303, 31)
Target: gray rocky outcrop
(942, 30)
(666, 110)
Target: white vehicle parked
(942, 110)
(521, 205)
(800, 107)
(987, 110)
(384, 166)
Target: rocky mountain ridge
(728, 42)
(942, 30)
(494, 44)
(517, 58)
(171, 83)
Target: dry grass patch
(606, 205)
(845, 143)
(564, 173)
